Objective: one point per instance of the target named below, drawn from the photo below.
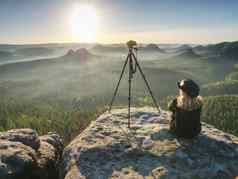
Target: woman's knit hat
(189, 87)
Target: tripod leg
(147, 84)
(115, 92)
(129, 96)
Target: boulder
(54, 140)
(49, 156)
(17, 160)
(24, 155)
(108, 149)
(28, 137)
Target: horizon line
(104, 43)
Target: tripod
(133, 65)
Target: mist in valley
(90, 72)
(65, 89)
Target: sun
(84, 23)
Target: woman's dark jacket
(185, 123)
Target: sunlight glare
(84, 23)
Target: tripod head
(132, 45)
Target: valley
(81, 81)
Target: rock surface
(24, 155)
(28, 137)
(107, 149)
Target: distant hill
(199, 47)
(189, 53)
(224, 49)
(109, 48)
(34, 51)
(183, 47)
(232, 76)
(152, 48)
(228, 49)
(4, 54)
(221, 87)
(71, 58)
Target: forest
(68, 90)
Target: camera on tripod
(131, 44)
(133, 63)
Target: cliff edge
(108, 149)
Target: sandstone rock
(28, 137)
(16, 160)
(108, 149)
(49, 155)
(24, 155)
(55, 140)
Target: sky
(117, 21)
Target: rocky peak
(153, 47)
(80, 54)
(70, 52)
(108, 149)
(25, 155)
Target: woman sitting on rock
(186, 109)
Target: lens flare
(84, 23)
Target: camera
(131, 44)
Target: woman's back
(186, 110)
(186, 122)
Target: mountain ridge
(188, 53)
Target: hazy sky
(160, 21)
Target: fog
(93, 74)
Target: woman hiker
(186, 110)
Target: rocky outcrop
(24, 155)
(28, 137)
(108, 149)
(152, 48)
(81, 54)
